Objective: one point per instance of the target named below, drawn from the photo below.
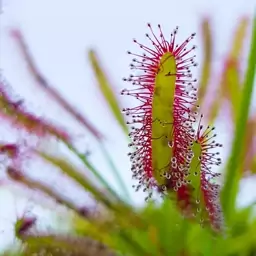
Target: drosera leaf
(230, 84)
(121, 183)
(233, 174)
(117, 231)
(64, 245)
(200, 241)
(207, 55)
(96, 227)
(248, 147)
(162, 110)
(69, 170)
(253, 165)
(109, 198)
(168, 224)
(107, 90)
(242, 221)
(92, 169)
(54, 94)
(14, 112)
(198, 195)
(42, 82)
(19, 177)
(232, 89)
(161, 123)
(96, 173)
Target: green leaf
(241, 221)
(206, 70)
(229, 86)
(232, 89)
(42, 82)
(92, 169)
(107, 90)
(253, 165)
(248, 147)
(231, 185)
(121, 183)
(64, 245)
(111, 99)
(80, 178)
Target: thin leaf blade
(107, 90)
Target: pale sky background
(59, 34)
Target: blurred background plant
(106, 221)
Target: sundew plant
(174, 147)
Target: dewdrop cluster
(166, 95)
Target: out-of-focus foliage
(158, 228)
(107, 91)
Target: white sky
(59, 33)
